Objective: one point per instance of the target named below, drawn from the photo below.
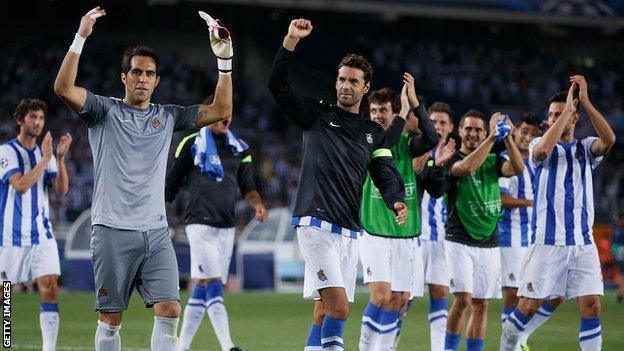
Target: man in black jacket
(210, 219)
(339, 146)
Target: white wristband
(77, 44)
(224, 65)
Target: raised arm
(606, 136)
(299, 109)
(515, 165)
(547, 142)
(23, 182)
(428, 138)
(476, 158)
(60, 184)
(221, 44)
(65, 83)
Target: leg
(475, 335)
(193, 315)
(398, 300)
(540, 317)
(107, 334)
(437, 315)
(372, 324)
(590, 335)
(336, 307)
(314, 336)
(455, 322)
(215, 308)
(515, 324)
(510, 300)
(49, 315)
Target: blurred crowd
(485, 74)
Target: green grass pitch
(275, 322)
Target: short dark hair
(359, 62)
(560, 96)
(476, 114)
(24, 107)
(440, 106)
(529, 119)
(138, 50)
(384, 95)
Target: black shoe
(237, 349)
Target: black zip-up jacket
(338, 148)
(210, 202)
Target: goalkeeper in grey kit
(130, 139)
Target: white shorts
(330, 261)
(474, 270)
(434, 259)
(569, 271)
(511, 265)
(23, 264)
(418, 287)
(211, 251)
(389, 260)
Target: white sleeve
(9, 164)
(593, 159)
(503, 183)
(532, 161)
(51, 169)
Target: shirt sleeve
(9, 164)
(593, 159)
(387, 178)
(185, 117)
(503, 183)
(245, 177)
(95, 109)
(51, 170)
(500, 161)
(532, 161)
(432, 179)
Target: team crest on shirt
(4, 163)
(103, 295)
(369, 271)
(512, 277)
(157, 124)
(321, 275)
(369, 138)
(530, 286)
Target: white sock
(512, 328)
(368, 338)
(590, 334)
(193, 315)
(164, 334)
(437, 332)
(220, 323)
(385, 342)
(107, 337)
(49, 323)
(539, 318)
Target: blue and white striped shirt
(25, 218)
(514, 226)
(563, 212)
(433, 215)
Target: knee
(48, 289)
(169, 309)
(338, 311)
(480, 307)
(590, 308)
(437, 291)
(397, 301)
(381, 299)
(112, 319)
(462, 301)
(529, 306)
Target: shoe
(525, 347)
(237, 349)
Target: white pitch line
(74, 348)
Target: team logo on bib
(321, 275)
(103, 295)
(369, 138)
(4, 163)
(157, 124)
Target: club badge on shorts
(530, 287)
(321, 275)
(103, 295)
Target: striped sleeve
(9, 164)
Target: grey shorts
(125, 259)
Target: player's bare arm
(475, 159)
(221, 44)
(606, 136)
(23, 182)
(60, 184)
(298, 29)
(515, 164)
(65, 83)
(510, 202)
(255, 201)
(546, 144)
